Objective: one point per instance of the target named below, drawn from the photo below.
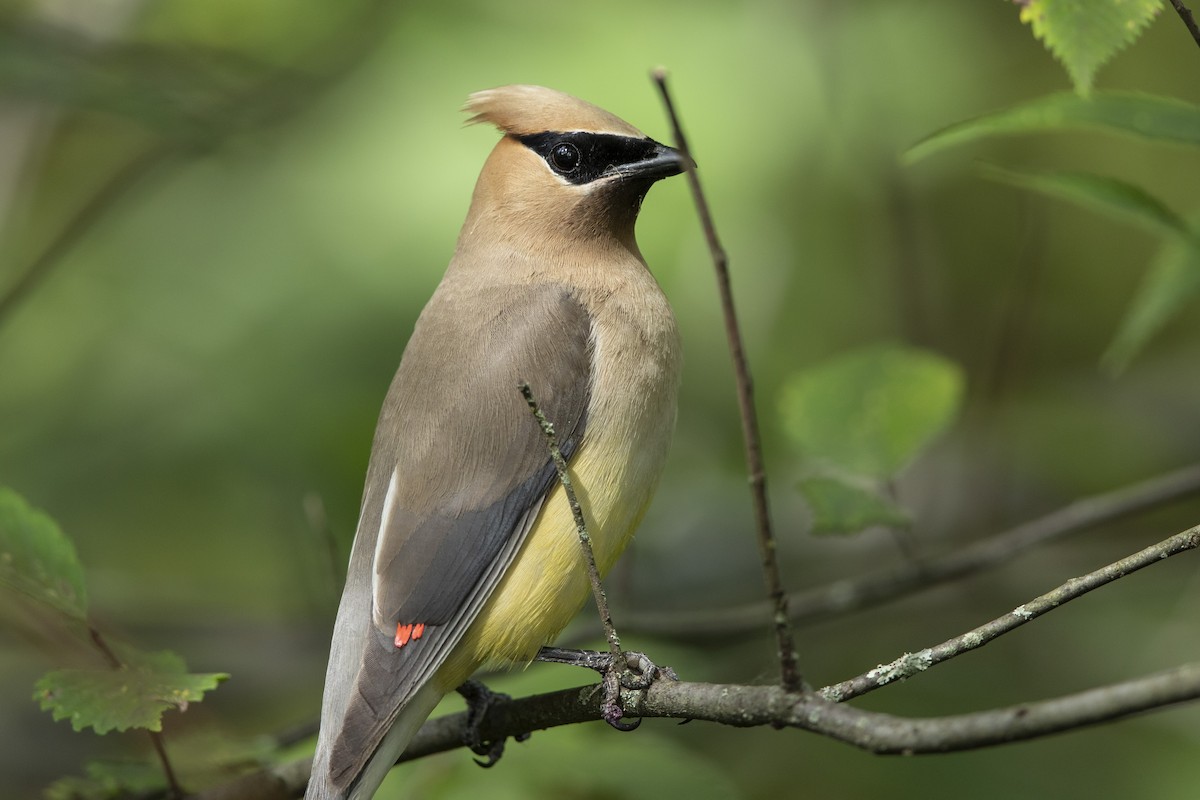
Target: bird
(466, 553)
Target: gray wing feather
(472, 471)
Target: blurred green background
(191, 385)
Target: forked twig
(789, 670)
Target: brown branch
(585, 539)
(911, 664)
(753, 706)
(846, 596)
(1185, 14)
(778, 598)
(889, 734)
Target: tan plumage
(523, 109)
(465, 535)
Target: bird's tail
(408, 722)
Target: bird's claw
(640, 671)
(491, 752)
(610, 704)
(637, 674)
(479, 699)
(627, 670)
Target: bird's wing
(458, 473)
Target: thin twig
(156, 738)
(846, 596)
(789, 670)
(160, 749)
(911, 664)
(585, 539)
(1185, 14)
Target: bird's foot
(479, 699)
(626, 670)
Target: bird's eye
(564, 157)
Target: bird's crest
(520, 110)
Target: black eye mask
(582, 157)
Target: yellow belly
(614, 472)
(547, 583)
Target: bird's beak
(660, 162)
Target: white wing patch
(389, 502)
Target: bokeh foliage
(189, 388)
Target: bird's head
(564, 169)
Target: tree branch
(846, 596)
(789, 670)
(753, 706)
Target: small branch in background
(318, 523)
(789, 669)
(96, 207)
(268, 102)
(846, 596)
(156, 737)
(585, 539)
(911, 664)
(1185, 14)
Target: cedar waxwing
(466, 552)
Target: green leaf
(1098, 192)
(1083, 34)
(134, 696)
(841, 505)
(1172, 280)
(37, 559)
(1147, 116)
(871, 411)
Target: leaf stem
(156, 737)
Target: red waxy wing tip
(409, 632)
